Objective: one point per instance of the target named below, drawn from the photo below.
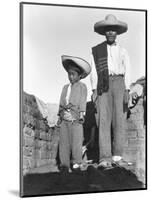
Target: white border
(9, 101)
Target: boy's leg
(76, 142)
(64, 144)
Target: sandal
(105, 164)
(121, 163)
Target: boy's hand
(81, 120)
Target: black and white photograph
(83, 99)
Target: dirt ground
(88, 181)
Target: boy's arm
(60, 107)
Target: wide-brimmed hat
(80, 63)
(112, 23)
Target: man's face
(110, 36)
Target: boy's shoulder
(65, 86)
(82, 84)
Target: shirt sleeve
(83, 98)
(127, 70)
(93, 74)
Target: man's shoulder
(99, 45)
(122, 49)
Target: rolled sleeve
(127, 70)
(83, 99)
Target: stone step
(44, 169)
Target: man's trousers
(110, 114)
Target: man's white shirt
(118, 63)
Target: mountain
(48, 111)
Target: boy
(72, 109)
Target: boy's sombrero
(112, 23)
(83, 65)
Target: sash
(100, 58)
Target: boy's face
(73, 76)
(110, 36)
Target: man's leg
(118, 117)
(104, 110)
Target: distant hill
(48, 111)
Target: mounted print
(82, 99)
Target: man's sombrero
(83, 65)
(110, 23)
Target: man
(110, 80)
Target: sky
(52, 31)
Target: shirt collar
(114, 44)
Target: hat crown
(83, 65)
(111, 19)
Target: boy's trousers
(71, 139)
(110, 113)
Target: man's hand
(59, 122)
(126, 97)
(94, 95)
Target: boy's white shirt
(68, 94)
(118, 63)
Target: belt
(72, 121)
(116, 75)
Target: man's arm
(83, 102)
(93, 74)
(127, 70)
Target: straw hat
(112, 23)
(83, 65)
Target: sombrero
(83, 65)
(112, 23)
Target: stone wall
(39, 141)
(136, 139)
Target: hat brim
(102, 27)
(80, 63)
